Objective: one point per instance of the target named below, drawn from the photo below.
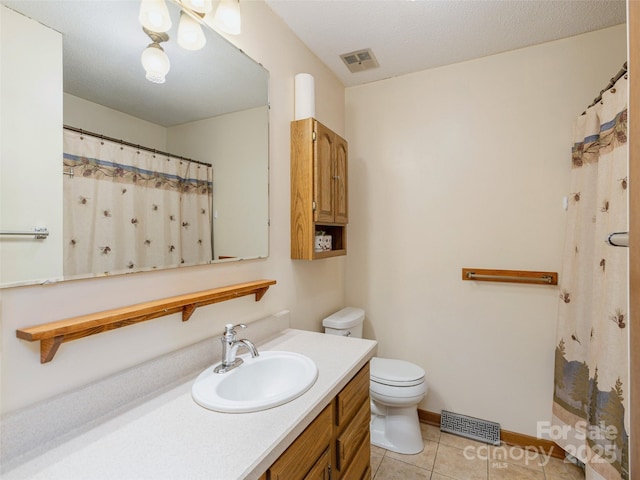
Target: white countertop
(171, 437)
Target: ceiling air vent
(360, 60)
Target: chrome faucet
(230, 347)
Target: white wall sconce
(154, 15)
(154, 60)
(190, 34)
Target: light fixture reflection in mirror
(190, 34)
(203, 111)
(154, 15)
(200, 6)
(227, 17)
(154, 60)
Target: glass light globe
(190, 34)
(156, 63)
(200, 6)
(154, 15)
(227, 17)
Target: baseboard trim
(510, 438)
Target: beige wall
(236, 145)
(29, 148)
(310, 290)
(92, 117)
(466, 166)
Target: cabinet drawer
(351, 397)
(360, 464)
(294, 463)
(350, 440)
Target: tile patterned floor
(450, 457)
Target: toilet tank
(346, 322)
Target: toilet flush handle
(348, 334)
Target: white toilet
(396, 388)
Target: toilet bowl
(396, 387)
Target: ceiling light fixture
(190, 34)
(227, 17)
(154, 15)
(155, 20)
(154, 60)
(200, 6)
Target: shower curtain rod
(612, 82)
(129, 144)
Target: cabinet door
(303, 454)
(340, 181)
(322, 468)
(323, 167)
(360, 467)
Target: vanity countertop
(169, 436)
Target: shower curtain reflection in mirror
(129, 209)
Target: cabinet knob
(336, 177)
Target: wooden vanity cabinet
(319, 189)
(335, 446)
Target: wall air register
(470, 427)
(360, 60)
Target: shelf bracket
(49, 347)
(187, 311)
(260, 293)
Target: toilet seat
(398, 373)
(395, 394)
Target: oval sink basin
(266, 381)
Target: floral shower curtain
(129, 209)
(591, 388)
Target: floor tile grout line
(433, 472)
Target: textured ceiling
(408, 36)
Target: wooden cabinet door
(323, 167)
(302, 455)
(322, 468)
(340, 195)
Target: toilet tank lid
(346, 318)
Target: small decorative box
(322, 242)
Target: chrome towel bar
(38, 233)
(543, 279)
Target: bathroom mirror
(213, 108)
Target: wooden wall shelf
(510, 276)
(52, 335)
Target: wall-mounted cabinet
(319, 189)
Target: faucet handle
(230, 329)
